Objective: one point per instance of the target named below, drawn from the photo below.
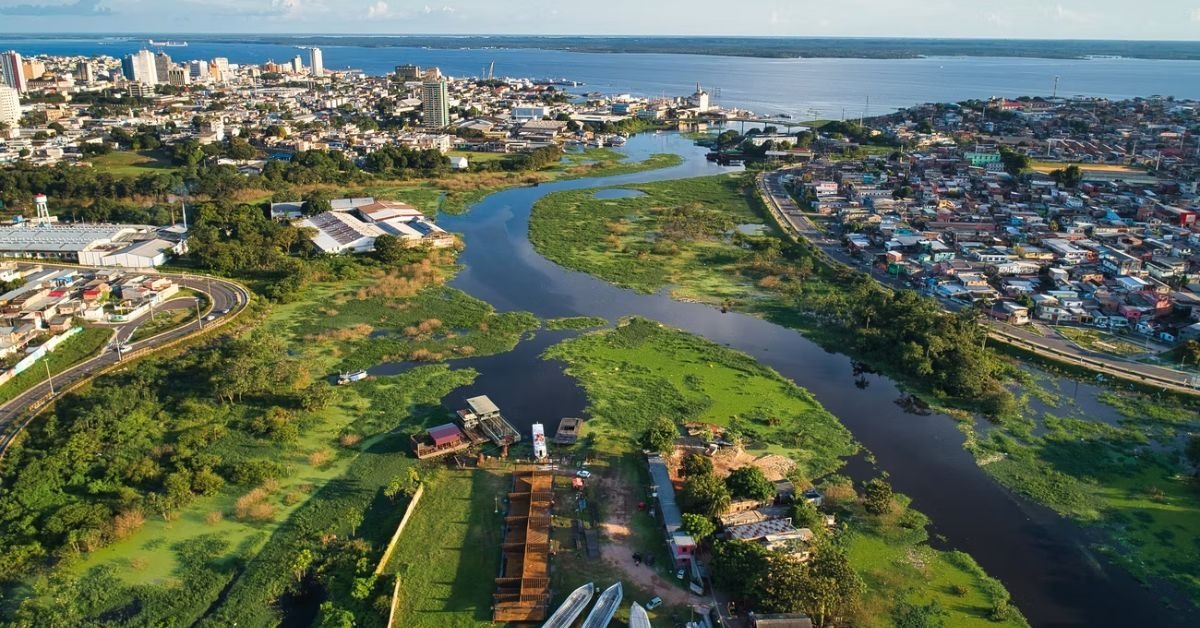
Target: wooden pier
(523, 588)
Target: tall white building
(298, 65)
(140, 66)
(10, 106)
(12, 73)
(317, 61)
(222, 68)
(162, 66)
(435, 103)
(699, 100)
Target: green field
(1102, 342)
(449, 555)
(679, 234)
(576, 322)
(130, 163)
(72, 351)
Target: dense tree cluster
(144, 442)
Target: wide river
(804, 88)
(1042, 558)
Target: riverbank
(642, 371)
(645, 243)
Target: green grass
(1126, 480)
(74, 350)
(163, 321)
(131, 163)
(449, 554)
(1101, 342)
(642, 371)
(576, 322)
(622, 240)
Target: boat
(540, 451)
(606, 606)
(638, 617)
(572, 607)
(354, 376)
(168, 44)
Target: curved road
(226, 301)
(788, 214)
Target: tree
(777, 587)
(1070, 177)
(697, 464)
(751, 483)
(405, 485)
(300, 563)
(705, 494)
(908, 615)
(830, 587)
(660, 436)
(877, 496)
(1013, 161)
(316, 202)
(734, 563)
(392, 251)
(698, 526)
(805, 515)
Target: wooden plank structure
(523, 588)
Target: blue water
(805, 88)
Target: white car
(654, 603)
(583, 473)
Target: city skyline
(1033, 19)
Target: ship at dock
(167, 44)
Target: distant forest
(767, 47)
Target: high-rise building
(10, 106)
(199, 70)
(140, 67)
(85, 73)
(316, 59)
(220, 69)
(162, 66)
(435, 103)
(408, 72)
(12, 73)
(178, 76)
(32, 69)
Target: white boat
(638, 617)
(355, 376)
(539, 442)
(168, 44)
(572, 607)
(606, 606)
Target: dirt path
(618, 550)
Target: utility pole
(49, 379)
(199, 318)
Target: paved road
(771, 187)
(226, 300)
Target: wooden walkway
(523, 588)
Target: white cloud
(377, 10)
(1196, 14)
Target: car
(679, 573)
(224, 311)
(654, 603)
(583, 473)
(210, 317)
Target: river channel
(1042, 558)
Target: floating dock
(484, 415)
(447, 439)
(602, 613)
(568, 431)
(572, 608)
(638, 617)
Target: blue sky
(1104, 19)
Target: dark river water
(1042, 558)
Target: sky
(1043, 19)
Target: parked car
(679, 573)
(654, 603)
(584, 473)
